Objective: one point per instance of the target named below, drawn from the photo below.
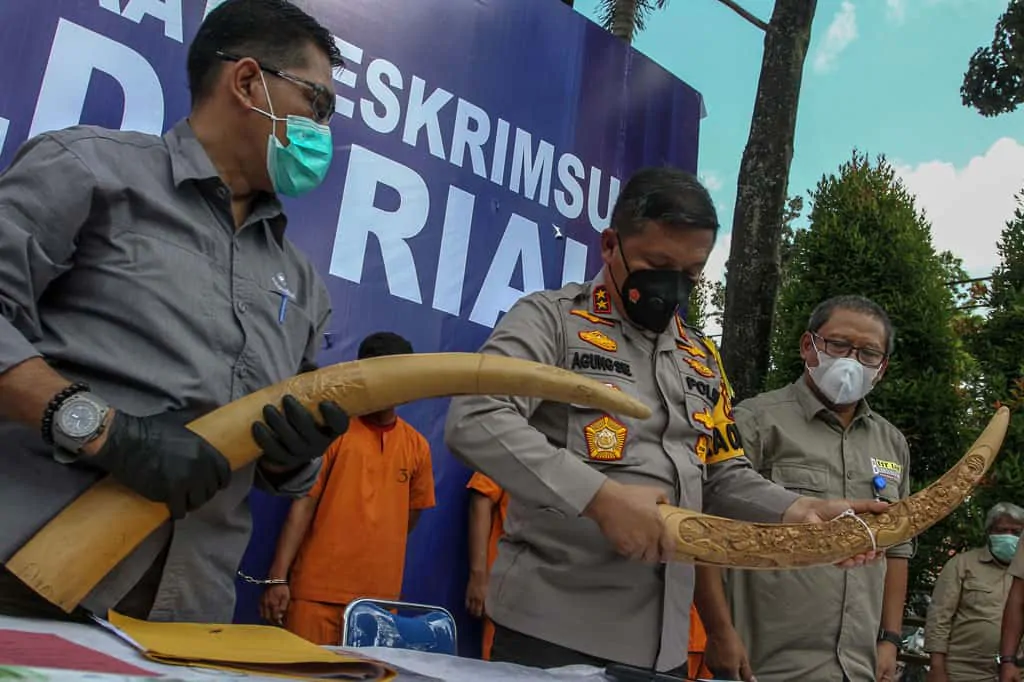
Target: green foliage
(866, 237)
(994, 82)
(998, 345)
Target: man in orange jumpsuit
(347, 538)
(487, 507)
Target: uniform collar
(599, 300)
(985, 556)
(812, 405)
(190, 162)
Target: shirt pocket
(803, 479)
(284, 329)
(978, 592)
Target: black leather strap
(891, 637)
(55, 402)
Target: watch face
(79, 419)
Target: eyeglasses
(869, 357)
(321, 103)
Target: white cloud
(714, 271)
(840, 33)
(968, 207)
(711, 180)
(896, 10)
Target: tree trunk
(752, 272)
(623, 22)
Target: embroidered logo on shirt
(601, 363)
(890, 470)
(590, 317)
(596, 338)
(701, 447)
(699, 367)
(705, 418)
(691, 349)
(602, 303)
(606, 439)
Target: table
(412, 666)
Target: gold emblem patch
(704, 417)
(691, 349)
(590, 317)
(701, 447)
(596, 338)
(699, 367)
(606, 439)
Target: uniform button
(222, 192)
(849, 474)
(240, 371)
(242, 306)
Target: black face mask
(651, 297)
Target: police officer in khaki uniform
(819, 437)
(578, 578)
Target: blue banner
(480, 147)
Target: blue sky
(882, 76)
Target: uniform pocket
(804, 479)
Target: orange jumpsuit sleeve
(485, 486)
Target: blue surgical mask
(1003, 546)
(303, 164)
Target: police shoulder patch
(606, 439)
(600, 340)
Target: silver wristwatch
(78, 422)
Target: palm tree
(626, 18)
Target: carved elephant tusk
(713, 540)
(69, 556)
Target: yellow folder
(259, 649)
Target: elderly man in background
(819, 437)
(963, 626)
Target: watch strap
(1002, 658)
(891, 637)
(46, 426)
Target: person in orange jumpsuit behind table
(487, 507)
(347, 538)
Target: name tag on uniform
(892, 471)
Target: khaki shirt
(556, 576)
(966, 614)
(816, 623)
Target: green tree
(994, 81)
(998, 345)
(867, 237)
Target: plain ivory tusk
(69, 556)
(712, 540)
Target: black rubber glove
(294, 439)
(163, 461)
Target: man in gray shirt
(146, 280)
